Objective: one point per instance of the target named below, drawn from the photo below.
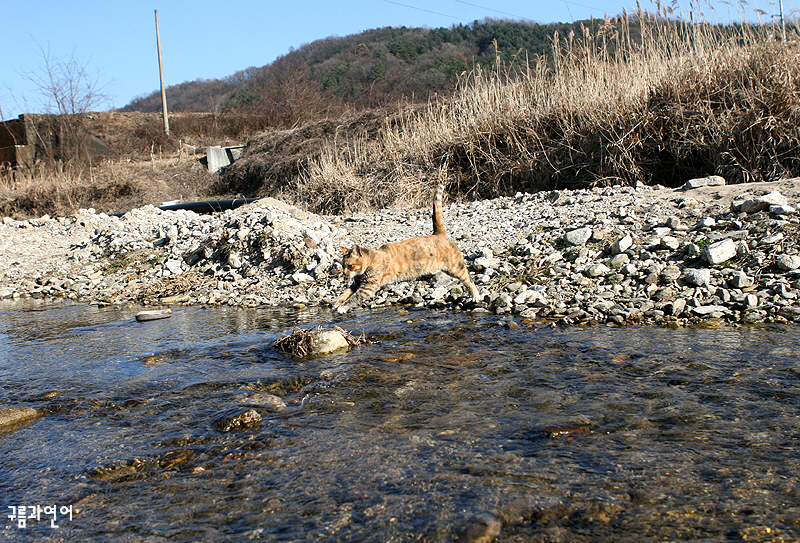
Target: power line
(585, 6)
(426, 10)
(496, 11)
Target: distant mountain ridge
(369, 69)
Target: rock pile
(611, 255)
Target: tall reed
(638, 98)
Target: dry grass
(108, 185)
(602, 111)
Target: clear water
(565, 434)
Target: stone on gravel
(622, 245)
(709, 310)
(771, 239)
(788, 262)
(739, 279)
(764, 202)
(618, 261)
(670, 242)
(710, 181)
(720, 252)
(697, 276)
(579, 236)
(596, 269)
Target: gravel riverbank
(608, 255)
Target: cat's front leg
(362, 292)
(339, 305)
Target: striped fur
(370, 269)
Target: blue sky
(201, 39)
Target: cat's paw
(341, 309)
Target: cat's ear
(357, 251)
(345, 250)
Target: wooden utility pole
(161, 75)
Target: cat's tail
(438, 218)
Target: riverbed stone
(697, 276)
(670, 274)
(760, 203)
(13, 415)
(771, 239)
(705, 310)
(622, 244)
(173, 266)
(710, 181)
(676, 307)
(596, 269)
(780, 210)
(720, 252)
(618, 261)
(235, 261)
(670, 242)
(706, 222)
(236, 419)
(578, 236)
(485, 263)
(788, 262)
(740, 279)
(750, 301)
(511, 245)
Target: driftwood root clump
(306, 342)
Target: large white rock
(761, 203)
(328, 341)
(720, 252)
(710, 181)
(788, 262)
(697, 277)
(579, 236)
(622, 245)
(596, 269)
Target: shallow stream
(547, 434)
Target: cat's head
(355, 261)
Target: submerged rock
(265, 400)
(235, 419)
(307, 342)
(11, 415)
(156, 314)
(482, 528)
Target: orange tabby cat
(370, 269)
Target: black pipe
(210, 206)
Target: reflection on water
(566, 434)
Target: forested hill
(367, 69)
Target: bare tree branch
(66, 86)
